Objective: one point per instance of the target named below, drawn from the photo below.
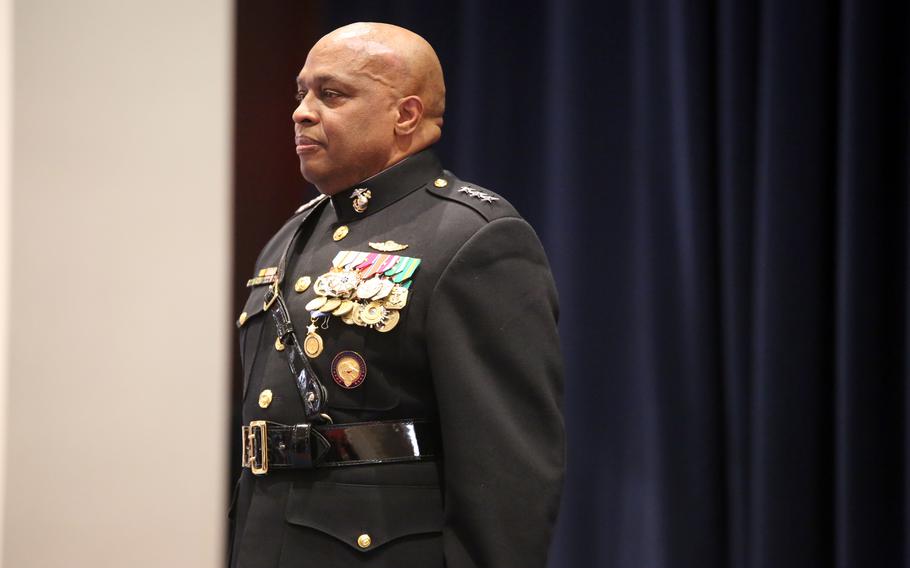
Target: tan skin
(369, 96)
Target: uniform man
(402, 373)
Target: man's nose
(304, 113)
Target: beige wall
(6, 117)
(118, 280)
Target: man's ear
(410, 113)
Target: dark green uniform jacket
(475, 350)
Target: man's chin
(320, 179)
(310, 172)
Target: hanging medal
(312, 343)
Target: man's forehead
(348, 63)
(305, 77)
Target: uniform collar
(388, 186)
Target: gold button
(364, 541)
(278, 344)
(440, 182)
(340, 233)
(265, 398)
(302, 284)
(242, 319)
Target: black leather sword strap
(312, 392)
(269, 445)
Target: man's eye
(299, 96)
(327, 94)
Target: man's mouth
(305, 144)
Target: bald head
(370, 95)
(396, 57)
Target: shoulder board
(488, 204)
(311, 203)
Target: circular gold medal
(369, 288)
(398, 298)
(355, 314)
(330, 305)
(312, 345)
(349, 369)
(345, 308)
(316, 303)
(372, 313)
(390, 321)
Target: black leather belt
(269, 445)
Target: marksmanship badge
(349, 369)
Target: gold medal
(372, 313)
(387, 286)
(348, 318)
(390, 321)
(349, 369)
(355, 314)
(369, 288)
(340, 233)
(398, 298)
(312, 343)
(330, 305)
(345, 308)
(316, 303)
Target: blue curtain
(722, 190)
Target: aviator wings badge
(388, 246)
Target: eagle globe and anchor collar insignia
(386, 187)
(361, 197)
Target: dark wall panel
(272, 40)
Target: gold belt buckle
(249, 447)
(275, 291)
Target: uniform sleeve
(497, 371)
